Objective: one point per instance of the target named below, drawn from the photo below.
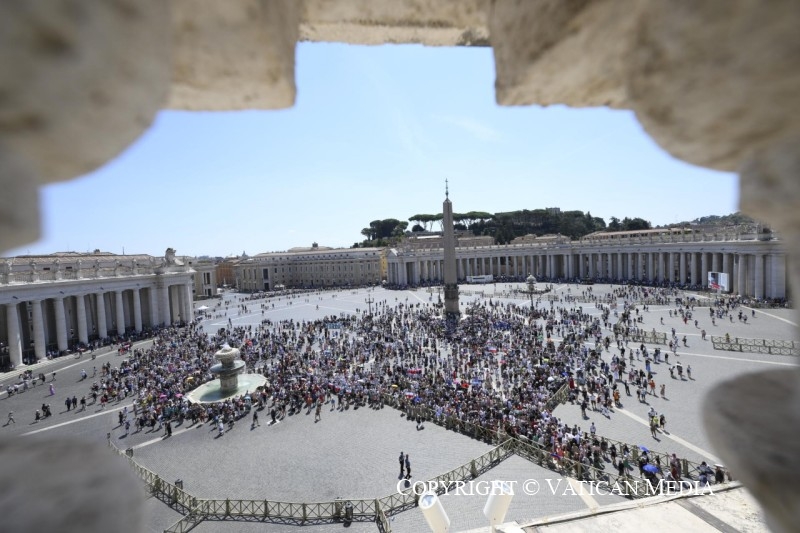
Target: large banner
(718, 281)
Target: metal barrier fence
(376, 510)
(559, 397)
(765, 346)
(196, 510)
(648, 337)
(577, 470)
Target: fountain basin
(212, 391)
(231, 382)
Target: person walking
(11, 418)
(402, 463)
(408, 467)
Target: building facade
(756, 267)
(205, 281)
(313, 267)
(58, 302)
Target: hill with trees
(506, 226)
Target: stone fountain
(230, 382)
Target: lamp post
(530, 281)
(369, 302)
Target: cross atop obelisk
(449, 244)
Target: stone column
(155, 316)
(166, 312)
(14, 338)
(759, 272)
(658, 271)
(61, 324)
(102, 328)
(741, 279)
(83, 332)
(651, 271)
(39, 342)
(682, 266)
(120, 312)
(188, 307)
(726, 267)
(631, 274)
(704, 269)
(671, 266)
(137, 311)
(777, 288)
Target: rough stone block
(67, 485)
(429, 22)
(713, 81)
(234, 55)
(80, 81)
(571, 52)
(752, 422)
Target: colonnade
(758, 273)
(36, 326)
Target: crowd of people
(498, 367)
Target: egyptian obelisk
(449, 242)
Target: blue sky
(373, 134)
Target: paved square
(354, 453)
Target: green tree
(635, 224)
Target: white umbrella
(202, 308)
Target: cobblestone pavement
(354, 453)
(350, 454)
(159, 516)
